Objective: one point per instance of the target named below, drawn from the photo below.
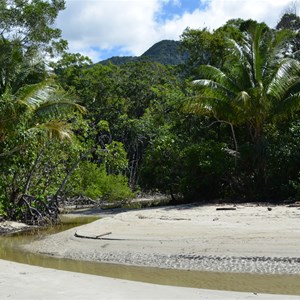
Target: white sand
(189, 237)
(24, 282)
(248, 239)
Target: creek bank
(77, 207)
(22, 282)
(250, 238)
(11, 227)
(166, 235)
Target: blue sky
(104, 28)
(173, 8)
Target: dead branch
(225, 208)
(97, 237)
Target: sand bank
(248, 239)
(24, 282)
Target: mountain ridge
(166, 52)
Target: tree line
(222, 125)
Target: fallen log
(97, 237)
(225, 208)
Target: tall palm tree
(261, 85)
(30, 118)
(37, 108)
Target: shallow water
(256, 283)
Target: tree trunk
(30, 175)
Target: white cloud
(132, 27)
(129, 25)
(219, 12)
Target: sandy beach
(247, 239)
(24, 282)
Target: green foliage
(33, 171)
(34, 110)
(283, 160)
(161, 165)
(260, 86)
(225, 136)
(27, 34)
(205, 47)
(206, 171)
(94, 182)
(116, 157)
(197, 171)
(229, 134)
(166, 52)
(31, 23)
(119, 60)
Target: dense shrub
(94, 182)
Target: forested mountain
(166, 52)
(119, 60)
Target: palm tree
(35, 114)
(37, 108)
(261, 85)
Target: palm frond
(288, 106)
(242, 98)
(279, 41)
(55, 129)
(286, 76)
(218, 76)
(208, 86)
(52, 109)
(47, 100)
(210, 90)
(257, 54)
(236, 49)
(259, 85)
(213, 106)
(243, 54)
(36, 94)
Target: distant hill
(119, 60)
(165, 52)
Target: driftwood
(97, 237)
(102, 237)
(225, 208)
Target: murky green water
(277, 284)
